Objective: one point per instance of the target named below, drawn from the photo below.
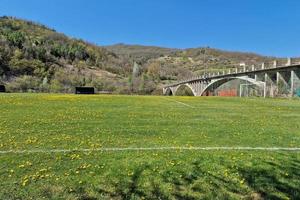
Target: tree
(16, 38)
(130, 83)
(21, 66)
(24, 84)
(154, 70)
(135, 70)
(4, 60)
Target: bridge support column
(164, 91)
(292, 83)
(198, 88)
(261, 78)
(295, 82)
(270, 85)
(265, 89)
(202, 86)
(282, 81)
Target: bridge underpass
(272, 81)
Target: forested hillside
(36, 58)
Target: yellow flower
(130, 173)
(25, 181)
(28, 163)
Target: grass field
(86, 130)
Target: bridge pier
(271, 86)
(292, 83)
(283, 79)
(259, 77)
(295, 82)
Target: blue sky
(268, 27)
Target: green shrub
(16, 38)
(24, 84)
(27, 67)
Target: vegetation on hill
(140, 53)
(175, 64)
(34, 57)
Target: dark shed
(2, 88)
(84, 90)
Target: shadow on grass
(128, 188)
(278, 179)
(191, 185)
(273, 180)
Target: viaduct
(265, 81)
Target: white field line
(294, 149)
(179, 102)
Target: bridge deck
(235, 74)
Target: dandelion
(225, 174)
(75, 156)
(130, 173)
(43, 170)
(28, 163)
(25, 182)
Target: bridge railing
(246, 68)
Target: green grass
(48, 121)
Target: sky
(267, 27)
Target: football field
(148, 147)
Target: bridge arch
(185, 85)
(168, 92)
(218, 82)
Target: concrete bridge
(265, 81)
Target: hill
(169, 65)
(38, 58)
(34, 57)
(140, 52)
